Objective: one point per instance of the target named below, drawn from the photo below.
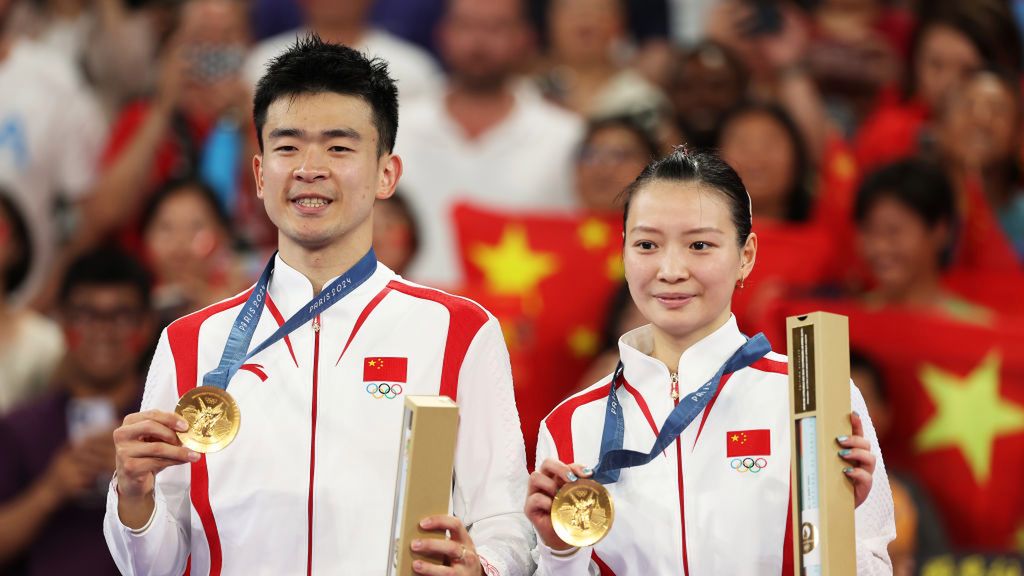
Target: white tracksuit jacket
(307, 486)
(732, 523)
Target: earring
(740, 283)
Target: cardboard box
(426, 459)
(824, 537)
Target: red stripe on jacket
(466, 320)
(183, 338)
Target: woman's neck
(669, 348)
(923, 292)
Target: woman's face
(610, 159)
(981, 126)
(945, 58)
(763, 154)
(681, 258)
(898, 245)
(184, 232)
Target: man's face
(107, 328)
(484, 42)
(319, 172)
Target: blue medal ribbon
(236, 350)
(614, 458)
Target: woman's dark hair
(312, 66)
(187, 185)
(699, 167)
(647, 140)
(989, 25)
(15, 273)
(919, 186)
(798, 197)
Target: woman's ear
(748, 254)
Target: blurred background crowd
(880, 141)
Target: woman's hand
(857, 452)
(544, 484)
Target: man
(308, 484)
(348, 23)
(56, 456)
(51, 132)
(488, 138)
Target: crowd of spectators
(881, 142)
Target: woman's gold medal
(582, 512)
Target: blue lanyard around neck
(614, 458)
(236, 351)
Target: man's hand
(458, 553)
(146, 444)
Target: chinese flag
(748, 443)
(552, 275)
(385, 369)
(955, 395)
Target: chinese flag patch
(385, 369)
(748, 443)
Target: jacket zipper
(679, 472)
(312, 446)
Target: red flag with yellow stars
(955, 396)
(390, 369)
(748, 443)
(562, 270)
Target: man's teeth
(312, 202)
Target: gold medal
(212, 417)
(582, 512)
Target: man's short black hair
(312, 66)
(107, 266)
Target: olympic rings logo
(384, 390)
(752, 465)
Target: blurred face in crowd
(762, 152)
(681, 257)
(320, 171)
(584, 31)
(611, 158)
(898, 245)
(183, 234)
(392, 236)
(7, 247)
(214, 34)
(335, 12)
(484, 43)
(107, 329)
(945, 58)
(980, 126)
(706, 87)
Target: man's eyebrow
(341, 133)
(287, 133)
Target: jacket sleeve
(162, 546)
(490, 458)
(875, 523)
(575, 562)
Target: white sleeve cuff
(134, 532)
(571, 561)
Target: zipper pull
(316, 324)
(675, 386)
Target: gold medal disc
(212, 417)
(582, 512)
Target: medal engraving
(582, 512)
(212, 416)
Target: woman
(687, 245)
(613, 152)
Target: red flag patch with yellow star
(748, 443)
(385, 369)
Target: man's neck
(477, 111)
(122, 392)
(320, 265)
(347, 33)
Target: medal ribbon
(235, 350)
(614, 458)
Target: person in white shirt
(489, 139)
(51, 134)
(308, 484)
(347, 22)
(697, 507)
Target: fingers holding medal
(567, 510)
(212, 416)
